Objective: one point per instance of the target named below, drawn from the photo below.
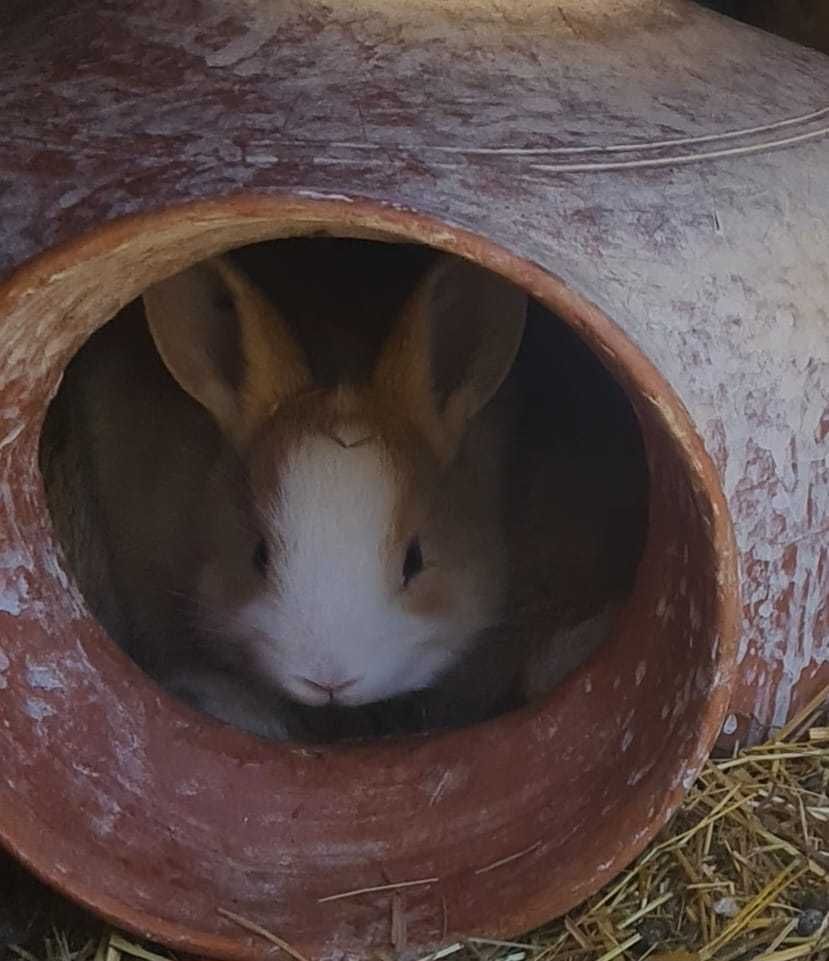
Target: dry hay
(740, 874)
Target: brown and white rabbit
(324, 546)
(359, 548)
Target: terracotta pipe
(139, 138)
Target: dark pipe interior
(323, 284)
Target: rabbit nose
(330, 687)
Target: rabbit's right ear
(225, 344)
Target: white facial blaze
(336, 616)
(333, 522)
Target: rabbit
(276, 545)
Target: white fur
(334, 613)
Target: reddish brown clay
(140, 137)
(157, 818)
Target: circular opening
(449, 586)
(139, 808)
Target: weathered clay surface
(157, 818)
(447, 123)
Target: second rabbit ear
(454, 344)
(225, 344)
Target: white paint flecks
(37, 709)
(14, 584)
(440, 787)
(641, 671)
(12, 435)
(86, 771)
(637, 776)
(44, 677)
(103, 824)
(318, 195)
(189, 788)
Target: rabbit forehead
(335, 515)
(341, 451)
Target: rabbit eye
(261, 557)
(413, 564)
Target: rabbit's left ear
(451, 349)
(226, 345)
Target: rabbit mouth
(320, 690)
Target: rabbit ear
(225, 344)
(453, 346)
